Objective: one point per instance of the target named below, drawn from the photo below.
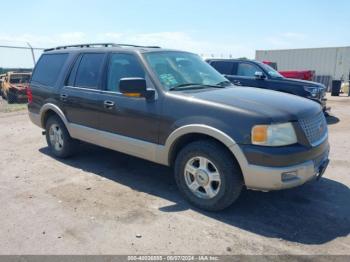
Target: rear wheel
(58, 139)
(208, 176)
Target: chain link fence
(18, 56)
(21, 58)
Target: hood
(276, 106)
(302, 82)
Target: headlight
(274, 135)
(312, 90)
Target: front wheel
(208, 176)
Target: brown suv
(172, 108)
(14, 86)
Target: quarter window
(121, 66)
(48, 69)
(89, 71)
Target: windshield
(272, 72)
(181, 69)
(19, 79)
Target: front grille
(315, 128)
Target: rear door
(81, 96)
(131, 117)
(225, 68)
(228, 69)
(46, 80)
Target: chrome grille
(315, 128)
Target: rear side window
(89, 71)
(49, 68)
(224, 68)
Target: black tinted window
(89, 70)
(224, 68)
(48, 69)
(120, 66)
(246, 69)
(71, 79)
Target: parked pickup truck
(295, 74)
(172, 108)
(243, 72)
(307, 75)
(14, 86)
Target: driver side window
(122, 66)
(248, 70)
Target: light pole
(26, 48)
(349, 85)
(32, 50)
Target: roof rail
(97, 45)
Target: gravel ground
(104, 202)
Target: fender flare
(201, 129)
(49, 106)
(225, 139)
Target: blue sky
(220, 27)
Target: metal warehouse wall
(332, 61)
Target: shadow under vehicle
(313, 214)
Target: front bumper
(270, 178)
(267, 178)
(323, 102)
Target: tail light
(29, 94)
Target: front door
(129, 117)
(245, 76)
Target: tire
(214, 195)
(58, 139)
(11, 97)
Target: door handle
(108, 104)
(63, 97)
(236, 82)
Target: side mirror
(135, 87)
(259, 75)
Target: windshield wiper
(193, 86)
(224, 83)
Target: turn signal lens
(132, 94)
(259, 134)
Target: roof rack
(97, 45)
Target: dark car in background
(13, 86)
(244, 72)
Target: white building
(332, 63)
